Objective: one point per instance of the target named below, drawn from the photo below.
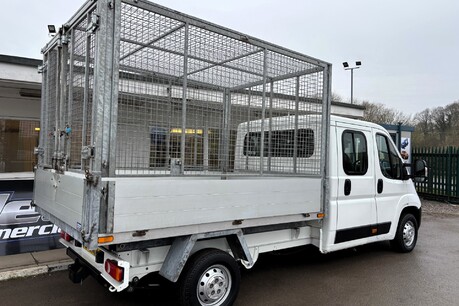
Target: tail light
(66, 236)
(112, 268)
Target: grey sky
(409, 49)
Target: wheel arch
(406, 234)
(416, 212)
(184, 247)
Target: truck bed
(166, 207)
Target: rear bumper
(81, 268)
(85, 264)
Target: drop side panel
(145, 203)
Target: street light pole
(346, 67)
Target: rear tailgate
(60, 198)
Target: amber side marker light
(320, 215)
(105, 239)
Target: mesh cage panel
(51, 105)
(81, 80)
(249, 110)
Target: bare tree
(434, 127)
(336, 97)
(424, 134)
(438, 126)
(381, 114)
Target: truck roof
(284, 122)
(334, 119)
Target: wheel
(211, 278)
(406, 235)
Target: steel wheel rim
(214, 286)
(409, 233)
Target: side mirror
(419, 171)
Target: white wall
(13, 77)
(13, 106)
(21, 73)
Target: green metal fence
(443, 175)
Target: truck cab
(370, 186)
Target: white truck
(172, 146)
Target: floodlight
(51, 29)
(345, 64)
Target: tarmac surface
(368, 275)
(31, 264)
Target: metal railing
(443, 173)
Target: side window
(355, 154)
(305, 142)
(282, 143)
(389, 162)
(252, 144)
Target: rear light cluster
(66, 236)
(112, 268)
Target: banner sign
(405, 147)
(22, 229)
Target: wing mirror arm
(419, 171)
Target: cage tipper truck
(175, 147)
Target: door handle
(380, 186)
(347, 187)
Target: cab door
(391, 188)
(356, 184)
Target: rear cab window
(355, 153)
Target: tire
(406, 235)
(211, 278)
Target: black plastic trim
(354, 233)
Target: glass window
(158, 147)
(355, 154)
(18, 138)
(389, 162)
(282, 143)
